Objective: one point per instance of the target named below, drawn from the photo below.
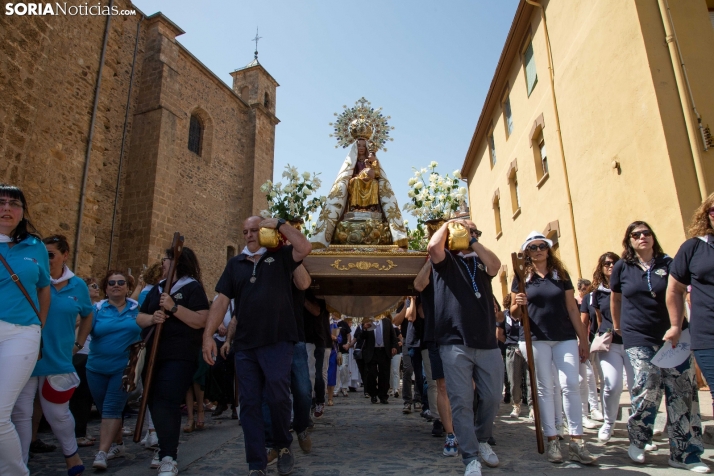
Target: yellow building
(612, 136)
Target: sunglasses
(120, 282)
(635, 235)
(542, 247)
(94, 286)
(51, 254)
(607, 264)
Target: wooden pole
(519, 262)
(177, 247)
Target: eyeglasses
(12, 203)
(94, 286)
(252, 230)
(542, 247)
(51, 254)
(120, 282)
(607, 264)
(635, 235)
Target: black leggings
(172, 379)
(81, 402)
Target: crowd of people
(272, 351)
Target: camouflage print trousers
(681, 399)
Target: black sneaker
(374, 400)
(437, 429)
(39, 446)
(220, 408)
(384, 401)
(491, 441)
(286, 462)
(407, 408)
(507, 398)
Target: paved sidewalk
(355, 437)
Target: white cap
(535, 236)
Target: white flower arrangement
(291, 202)
(434, 196)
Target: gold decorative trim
(363, 265)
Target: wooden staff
(177, 248)
(519, 265)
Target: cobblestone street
(355, 437)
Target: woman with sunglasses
(20, 325)
(614, 361)
(70, 298)
(639, 314)
(114, 329)
(183, 310)
(559, 338)
(81, 402)
(694, 266)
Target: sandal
(84, 441)
(190, 426)
(200, 425)
(330, 402)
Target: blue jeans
(415, 356)
(264, 371)
(301, 392)
(319, 380)
(705, 360)
(107, 393)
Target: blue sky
(428, 64)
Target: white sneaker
(605, 433)
(168, 467)
(553, 451)
(596, 415)
(116, 451)
(487, 455)
(650, 447)
(531, 416)
(579, 452)
(473, 468)
(143, 440)
(589, 424)
(100, 460)
(155, 460)
(516, 411)
(697, 467)
(636, 454)
(151, 441)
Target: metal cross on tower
(256, 41)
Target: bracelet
(78, 345)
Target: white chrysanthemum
(265, 187)
(463, 191)
(423, 171)
(433, 178)
(412, 181)
(433, 164)
(427, 203)
(411, 194)
(457, 174)
(289, 188)
(273, 194)
(418, 186)
(306, 175)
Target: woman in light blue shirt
(26, 255)
(70, 298)
(113, 330)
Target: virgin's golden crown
(360, 129)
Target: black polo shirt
(264, 309)
(643, 319)
(298, 310)
(547, 308)
(345, 332)
(587, 308)
(511, 327)
(178, 340)
(601, 301)
(427, 305)
(694, 265)
(460, 317)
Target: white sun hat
(535, 236)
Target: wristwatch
(281, 222)
(174, 309)
(472, 241)
(78, 345)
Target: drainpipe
(560, 137)
(692, 119)
(83, 191)
(123, 141)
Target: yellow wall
(618, 101)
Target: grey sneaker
(407, 408)
(578, 452)
(168, 467)
(100, 460)
(286, 462)
(553, 451)
(256, 472)
(305, 441)
(116, 451)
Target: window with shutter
(531, 75)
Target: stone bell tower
(256, 87)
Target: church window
(195, 135)
(266, 101)
(230, 252)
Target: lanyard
(472, 275)
(255, 265)
(650, 265)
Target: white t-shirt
(226, 321)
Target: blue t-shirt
(58, 342)
(29, 260)
(142, 295)
(112, 332)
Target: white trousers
(57, 415)
(564, 355)
(19, 347)
(613, 363)
(343, 374)
(588, 390)
(394, 381)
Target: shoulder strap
(16, 280)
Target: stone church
(119, 136)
